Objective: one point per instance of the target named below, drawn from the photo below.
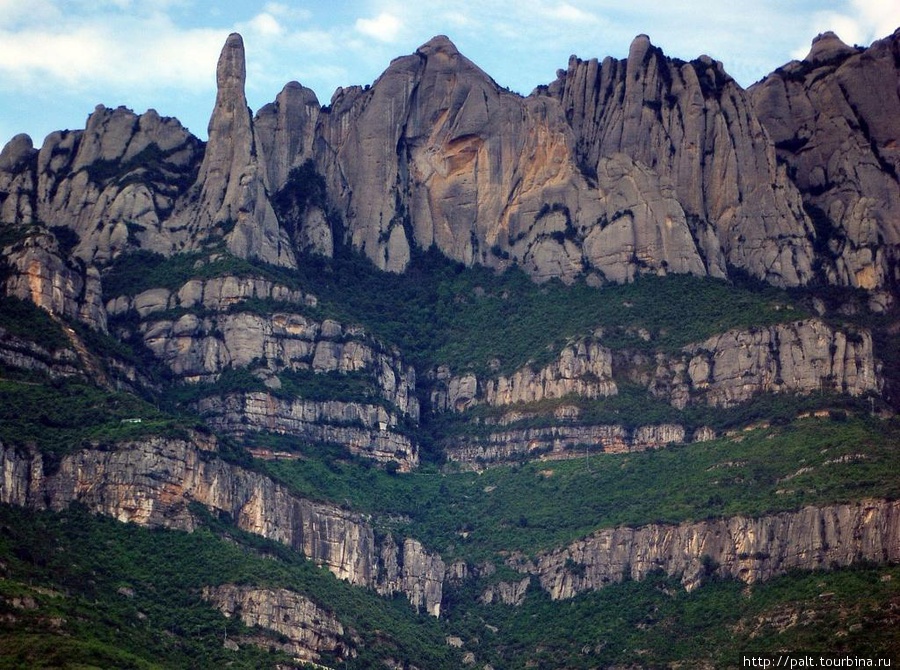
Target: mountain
(437, 374)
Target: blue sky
(60, 58)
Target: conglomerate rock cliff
(646, 165)
(750, 550)
(693, 126)
(309, 628)
(155, 481)
(583, 368)
(799, 357)
(511, 444)
(364, 429)
(113, 184)
(206, 329)
(621, 167)
(833, 120)
(230, 195)
(43, 274)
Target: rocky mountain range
(291, 289)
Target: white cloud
(264, 25)
(385, 27)
(118, 51)
(862, 22)
(569, 13)
(285, 11)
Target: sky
(61, 58)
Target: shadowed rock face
(833, 118)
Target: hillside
(437, 374)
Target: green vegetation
(141, 270)
(80, 569)
(65, 415)
(24, 319)
(632, 407)
(13, 233)
(116, 595)
(79, 591)
(344, 386)
(540, 505)
(655, 623)
(439, 312)
(305, 384)
(231, 380)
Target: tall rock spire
(232, 200)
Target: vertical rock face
(694, 126)
(286, 131)
(834, 120)
(619, 167)
(643, 227)
(583, 368)
(558, 443)
(751, 550)
(112, 184)
(199, 349)
(436, 153)
(46, 277)
(366, 430)
(410, 569)
(230, 198)
(801, 357)
(17, 180)
(153, 483)
(316, 381)
(310, 629)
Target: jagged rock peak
(826, 46)
(230, 197)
